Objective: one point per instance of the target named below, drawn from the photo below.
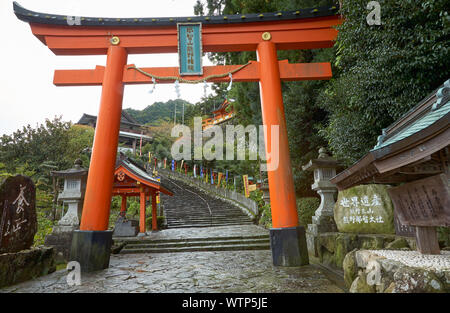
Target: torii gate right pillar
(287, 238)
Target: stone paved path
(225, 271)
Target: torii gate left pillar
(265, 33)
(92, 243)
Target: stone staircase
(232, 243)
(197, 221)
(191, 207)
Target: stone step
(199, 243)
(191, 207)
(198, 248)
(206, 218)
(132, 240)
(206, 225)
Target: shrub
(159, 221)
(306, 207)
(266, 216)
(444, 236)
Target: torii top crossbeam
(159, 35)
(117, 37)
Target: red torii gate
(266, 33)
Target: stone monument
(72, 194)
(125, 227)
(19, 261)
(18, 222)
(365, 209)
(324, 168)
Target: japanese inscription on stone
(424, 202)
(190, 48)
(18, 223)
(364, 209)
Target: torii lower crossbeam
(250, 73)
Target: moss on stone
(397, 244)
(328, 241)
(390, 288)
(360, 285)
(350, 268)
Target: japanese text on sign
(361, 210)
(190, 49)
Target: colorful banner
(219, 179)
(201, 171)
(226, 177)
(149, 157)
(173, 165)
(194, 169)
(212, 178)
(247, 193)
(165, 163)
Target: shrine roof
(133, 135)
(54, 19)
(422, 115)
(125, 118)
(422, 131)
(141, 173)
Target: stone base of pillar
(311, 240)
(92, 249)
(289, 246)
(323, 224)
(61, 240)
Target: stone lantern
(324, 168)
(73, 194)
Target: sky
(27, 93)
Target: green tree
(382, 71)
(304, 118)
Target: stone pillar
(324, 168)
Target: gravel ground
(415, 259)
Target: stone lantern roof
(76, 171)
(323, 161)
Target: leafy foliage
(162, 111)
(382, 71)
(306, 207)
(34, 152)
(304, 118)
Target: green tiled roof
(437, 111)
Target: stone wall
(333, 247)
(247, 205)
(25, 265)
(396, 272)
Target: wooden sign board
(190, 48)
(424, 202)
(402, 229)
